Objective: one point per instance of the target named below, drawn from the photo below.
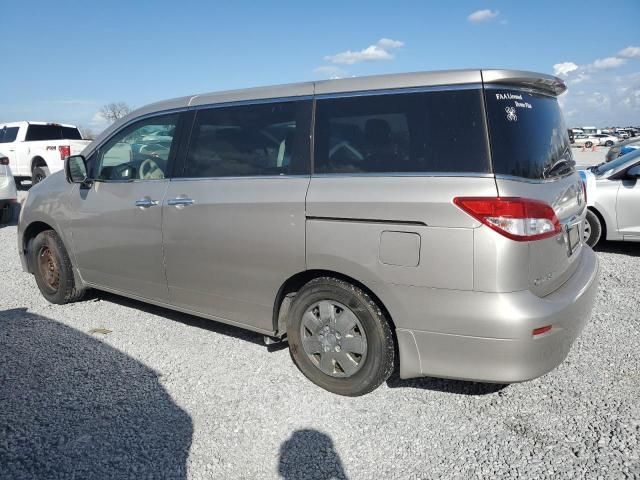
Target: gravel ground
(158, 394)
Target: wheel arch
(38, 161)
(297, 281)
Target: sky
(61, 61)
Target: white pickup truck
(37, 149)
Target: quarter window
(250, 140)
(139, 152)
(440, 131)
(8, 134)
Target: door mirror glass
(75, 168)
(634, 172)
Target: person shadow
(71, 406)
(310, 454)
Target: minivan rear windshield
(528, 135)
(52, 132)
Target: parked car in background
(8, 193)
(613, 200)
(38, 149)
(605, 139)
(584, 140)
(391, 239)
(621, 148)
(623, 134)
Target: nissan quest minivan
(428, 220)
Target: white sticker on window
(511, 114)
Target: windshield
(619, 162)
(528, 135)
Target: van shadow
(625, 248)
(187, 319)
(309, 454)
(74, 407)
(459, 387)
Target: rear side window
(52, 132)
(425, 132)
(250, 140)
(8, 134)
(528, 135)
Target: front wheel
(39, 174)
(339, 337)
(588, 144)
(608, 143)
(592, 229)
(52, 269)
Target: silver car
(431, 220)
(613, 199)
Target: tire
(608, 143)
(52, 269)
(6, 213)
(593, 229)
(370, 334)
(588, 144)
(39, 174)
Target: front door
(628, 208)
(117, 221)
(234, 224)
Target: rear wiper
(556, 167)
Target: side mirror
(75, 169)
(634, 172)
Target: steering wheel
(149, 169)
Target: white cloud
(483, 15)
(608, 63)
(564, 68)
(381, 50)
(98, 120)
(331, 71)
(630, 52)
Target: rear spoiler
(536, 81)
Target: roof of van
(539, 81)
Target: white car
(605, 139)
(37, 149)
(8, 193)
(585, 140)
(613, 196)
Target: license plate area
(573, 238)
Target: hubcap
(587, 231)
(49, 270)
(333, 338)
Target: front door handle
(180, 201)
(146, 202)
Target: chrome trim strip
(368, 220)
(397, 91)
(259, 101)
(248, 177)
(402, 174)
(533, 180)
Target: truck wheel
(592, 229)
(339, 337)
(39, 174)
(52, 269)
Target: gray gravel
(167, 395)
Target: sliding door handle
(180, 201)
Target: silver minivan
(431, 221)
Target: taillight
(65, 151)
(4, 160)
(520, 219)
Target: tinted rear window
(528, 135)
(425, 132)
(52, 132)
(8, 134)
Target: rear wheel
(588, 144)
(52, 269)
(39, 174)
(608, 143)
(339, 337)
(592, 229)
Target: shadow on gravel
(74, 407)
(310, 454)
(626, 248)
(459, 387)
(187, 319)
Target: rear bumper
(513, 356)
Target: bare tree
(115, 110)
(86, 132)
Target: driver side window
(139, 152)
